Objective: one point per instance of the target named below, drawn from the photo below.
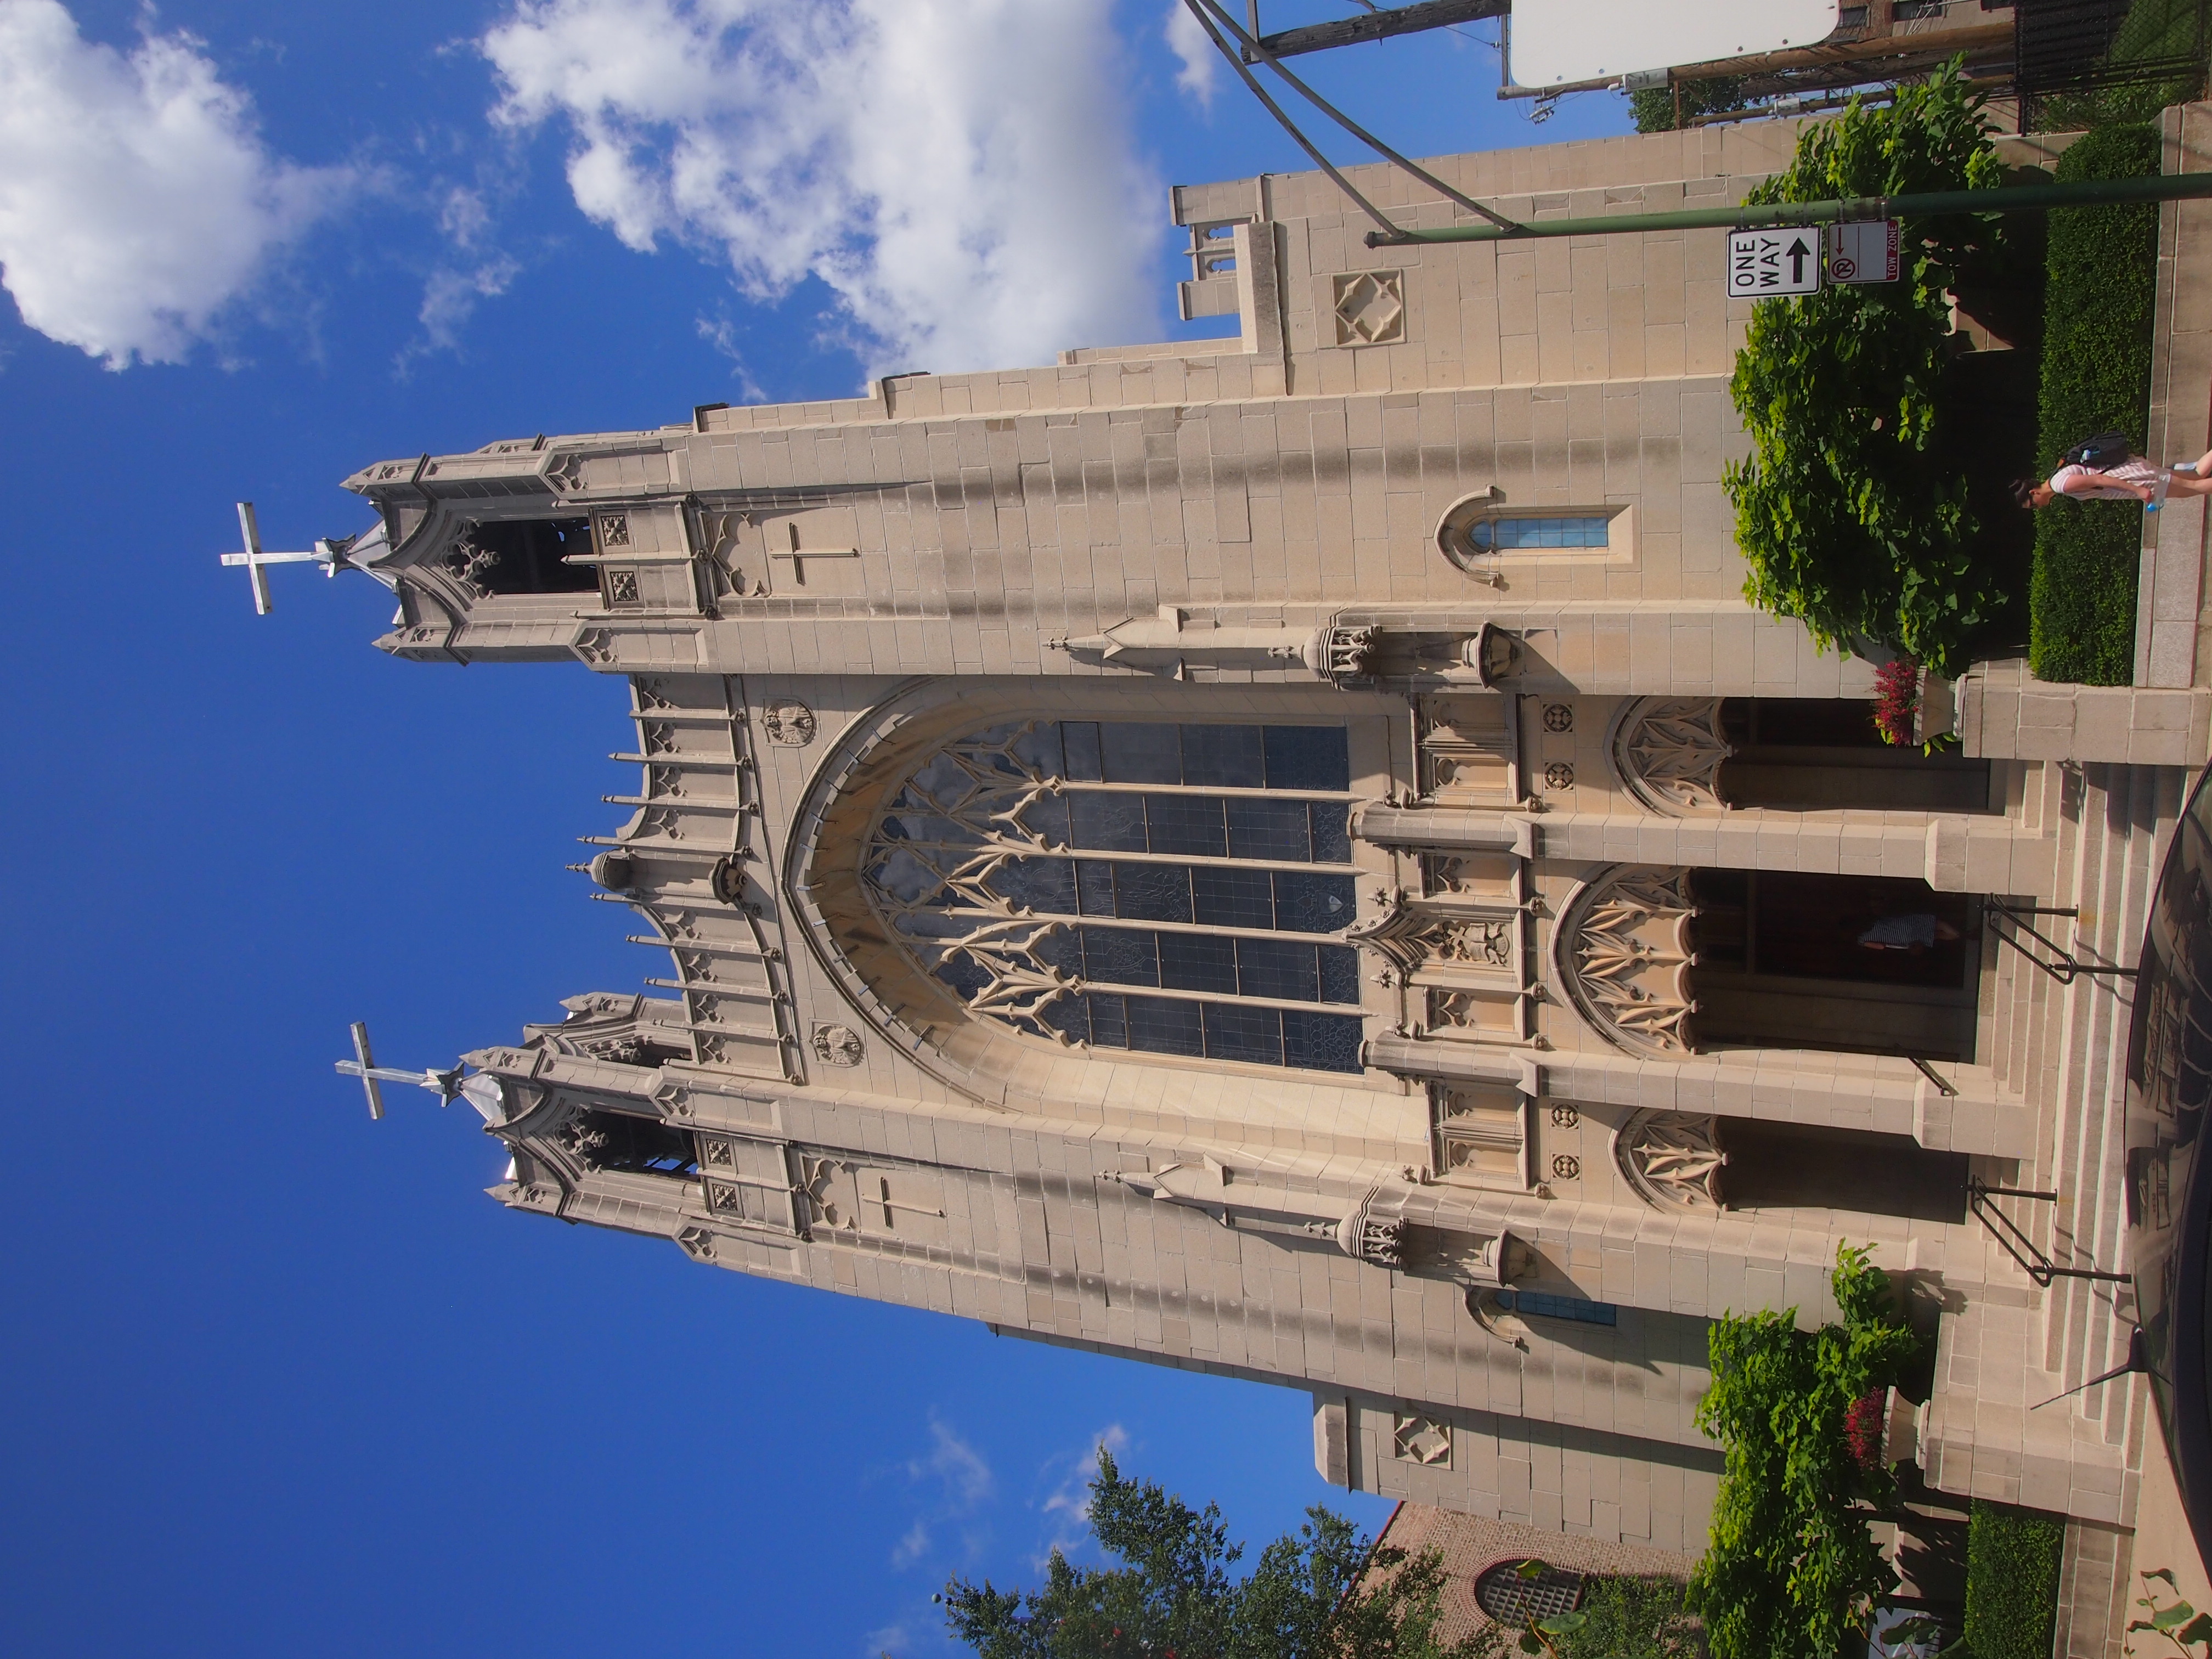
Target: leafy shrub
(1631, 1618)
(2096, 377)
(1791, 1567)
(2012, 1582)
(1853, 508)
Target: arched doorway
(1667, 960)
(1867, 964)
(1686, 755)
(1698, 1161)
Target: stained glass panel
(970, 868)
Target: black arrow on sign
(1798, 252)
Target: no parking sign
(1864, 251)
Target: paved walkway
(2173, 628)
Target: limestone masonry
(1290, 856)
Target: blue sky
(279, 1380)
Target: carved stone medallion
(838, 1045)
(789, 722)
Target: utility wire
(1252, 46)
(1390, 232)
(1450, 28)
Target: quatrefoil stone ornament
(1369, 307)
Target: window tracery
(1668, 751)
(1625, 957)
(1176, 888)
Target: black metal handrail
(2069, 966)
(2036, 1261)
(1949, 1092)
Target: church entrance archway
(1867, 964)
(1683, 961)
(1699, 1161)
(1686, 755)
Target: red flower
(1862, 1425)
(1897, 700)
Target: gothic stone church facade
(1290, 856)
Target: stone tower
(1290, 856)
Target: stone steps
(2112, 842)
(2025, 1031)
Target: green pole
(1775, 215)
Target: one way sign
(1762, 263)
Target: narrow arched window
(1517, 532)
(1170, 888)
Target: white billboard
(1559, 42)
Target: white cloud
(912, 1547)
(137, 199)
(450, 296)
(966, 1477)
(961, 174)
(1199, 57)
(465, 216)
(1067, 1507)
(950, 1481)
(721, 333)
(453, 288)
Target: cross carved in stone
(798, 555)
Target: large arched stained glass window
(1172, 889)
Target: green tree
(1652, 108)
(1172, 1595)
(1791, 1567)
(1853, 508)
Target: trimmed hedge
(2096, 377)
(2012, 1582)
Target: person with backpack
(2106, 468)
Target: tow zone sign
(1864, 251)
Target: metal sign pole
(1775, 215)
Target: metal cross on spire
(364, 1067)
(331, 555)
